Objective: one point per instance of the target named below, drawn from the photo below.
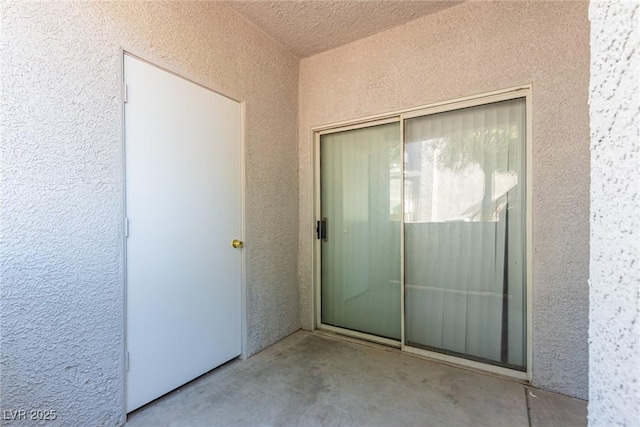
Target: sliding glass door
(360, 227)
(465, 233)
(422, 228)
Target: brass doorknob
(237, 244)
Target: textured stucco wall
(473, 48)
(614, 282)
(62, 190)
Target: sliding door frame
(523, 91)
(318, 243)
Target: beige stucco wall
(468, 49)
(61, 183)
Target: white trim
(243, 232)
(406, 111)
(314, 251)
(317, 243)
(361, 125)
(522, 91)
(467, 103)
(123, 160)
(528, 115)
(459, 361)
(360, 335)
(402, 236)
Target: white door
(184, 208)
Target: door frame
(317, 270)
(123, 219)
(522, 91)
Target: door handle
(321, 229)
(237, 243)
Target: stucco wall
(62, 189)
(468, 49)
(614, 283)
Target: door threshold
(360, 336)
(346, 338)
(349, 336)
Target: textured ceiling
(307, 27)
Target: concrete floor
(310, 379)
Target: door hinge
(126, 361)
(126, 93)
(321, 229)
(126, 227)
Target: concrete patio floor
(311, 379)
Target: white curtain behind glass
(464, 232)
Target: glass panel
(360, 199)
(465, 233)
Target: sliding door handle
(321, 229)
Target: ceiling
(307, 27)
